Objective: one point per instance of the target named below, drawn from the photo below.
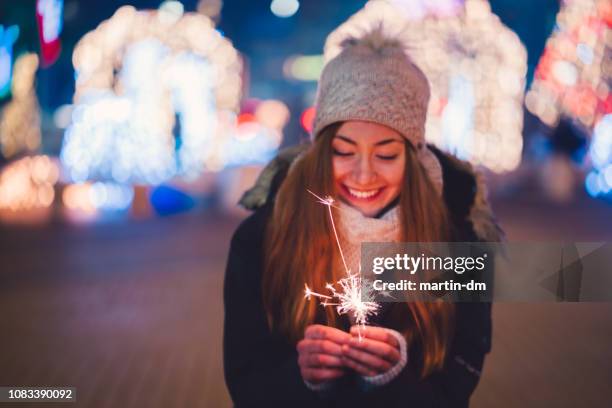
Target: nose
(364, 173)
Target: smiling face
(368, 164)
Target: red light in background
(246, 117)
(307, 119)
(49, 21)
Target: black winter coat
(261, 368)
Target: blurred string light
(136, 74)
(476, 67)
(304, 67)
(99, 196)
(8, 36)
(49, 20)
(284, 8)
(599, 180)
(28, 183)
(20, 119)
(574, 74)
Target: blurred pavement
(131, 314)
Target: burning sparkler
(352, 297)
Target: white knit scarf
(356, 228)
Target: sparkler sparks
(353, 297)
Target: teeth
(363, 194)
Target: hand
(320, 353)
(375, 353)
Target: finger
(315, 360)
(377, 348)
(319, 346)
(375, 333)
(368, 360)
(317, 375)
(358, 367)
(318, 331)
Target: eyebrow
(381, 143)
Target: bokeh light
(307, 119)
(304, 67)
(91, 197)
(20, 120)
(273, 114)
(8, 36)
(284, 8)
(599, 180)
(51, 15)
(28, 183)
(49, 19)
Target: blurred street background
(129, 130)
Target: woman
(368, 152)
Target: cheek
(394, 175)
(341, 168)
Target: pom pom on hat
(375, 40)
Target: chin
(367, 210)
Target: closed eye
(387, 157)
(343, 154)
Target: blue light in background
(8, 37)
(599, 181)
(167, 200)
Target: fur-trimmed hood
(464, 192)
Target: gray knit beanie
(374, 80)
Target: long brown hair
(299, 248)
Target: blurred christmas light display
(574, 73)
(8, 36)
(20, 118)
(28, 183)
(156, 96)
(573, 80)
(476, 67)
(49, 20)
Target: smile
(363, 194)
